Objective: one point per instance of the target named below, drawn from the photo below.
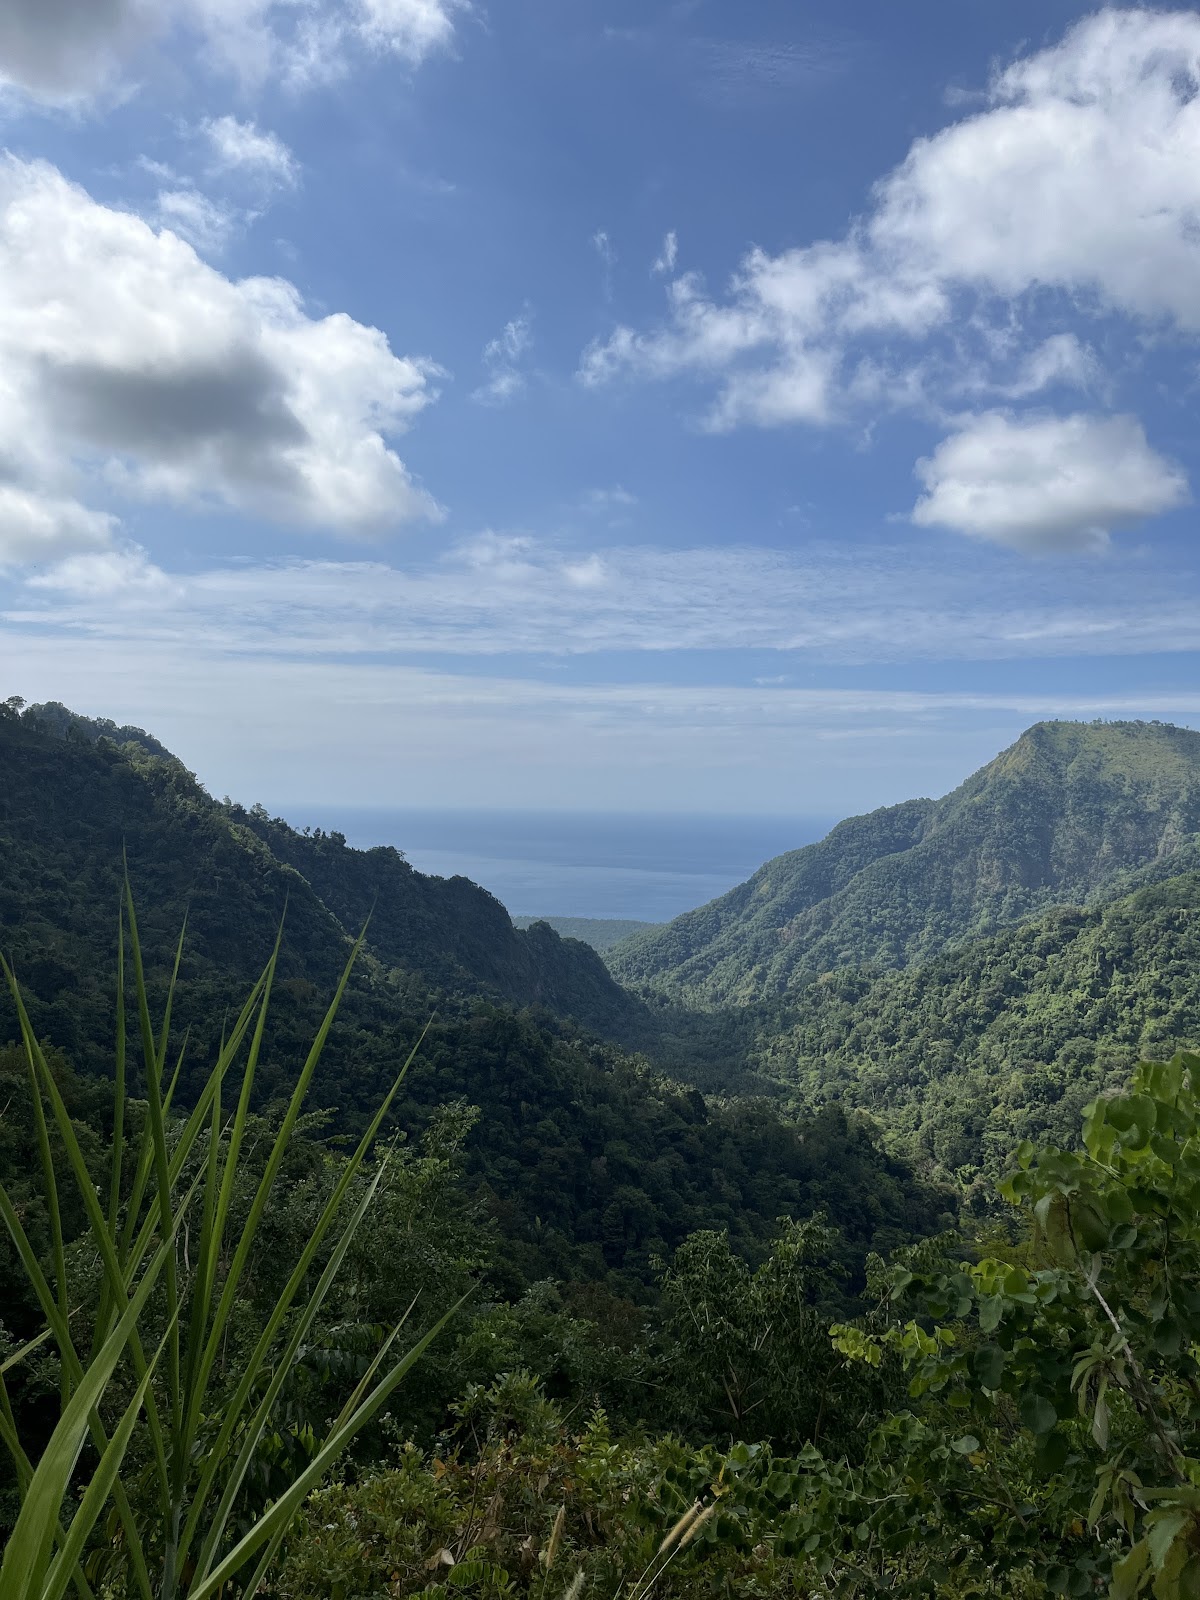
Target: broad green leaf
(1037, 1413)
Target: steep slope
(1004, 1038)
(589, 1164)
(1071, 813)
(75, 793)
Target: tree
(1059, 1425)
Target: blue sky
(658, 406)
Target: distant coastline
(557, 865)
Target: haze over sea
(572, 864)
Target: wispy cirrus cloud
(502, 358)
(498, 595)
(245, 149)
(394, 734)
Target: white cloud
(123, 354)
(1046, 483)
(412, 29)
(1062, 361)
(504, 593)
(245, 148)
(205, 223)
(780, 307)
(1084, 175)
(249, 727)
(501, 358)
(37, 527)
(665, 260)
(61, 52)
(603, 246)
(615, 503)
(1077, 187)
(108, 576)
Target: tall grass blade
(96, 1495)
(262, 1413)
(255, 1364)
(28, 1549)
(266, 1185)
(280, 1514)
(97, 1221)
(162, 1170)
(119, 1096)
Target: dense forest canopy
(1068, 815)
(776, 1341)
(589, 1161)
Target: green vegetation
(1028, 1425)
(589, 1162)
(600, 932)
(77, 792)
(1005, 1038)
(1072, 813)
(703, 1346)
(154, 1284)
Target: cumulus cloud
(65, 51)
(126, 357)
(203, 222)
(59, 50)
(36, 527)
(245, 148)
(1046, 483)
(501, 359)
(1083, 175)
(1077, 184)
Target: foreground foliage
(1035, 1428)
(143, 1318)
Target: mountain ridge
(79, 791)
(1067, 814)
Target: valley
(671, 1167)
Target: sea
(571, 864)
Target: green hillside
(75, 793)
(586, 1162)
(600, 932)
(1005, 1038)
(1070, 814)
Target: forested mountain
(75, 793)
(653, 1371)
(1005, 1038)
(600, 932)
(1071, 814)
(586, 1162)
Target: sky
(633, 405)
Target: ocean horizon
(646, 867)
